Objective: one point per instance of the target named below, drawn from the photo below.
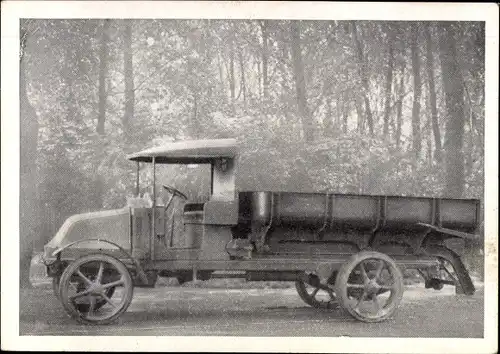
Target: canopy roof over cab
(188, 151)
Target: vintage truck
(340, 249)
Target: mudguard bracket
(451, 232)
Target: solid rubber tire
(346, 271)
(68, 273)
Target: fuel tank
(356, 212)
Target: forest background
(368, 107)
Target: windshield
(193, 180)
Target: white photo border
(13, 11)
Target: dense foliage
(347, 106)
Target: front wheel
(82, 307)
(370, 286)
(96, 289)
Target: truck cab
(206, 226)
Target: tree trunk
(388, 82)
(259, 79)
(363, 72)
(359, 113)
(264, 26)
(428, 132)
(338, 116)
(101, 120)
(129, 79)
(231, 74)
(399, 105)
(469, 158)
(284, 77)
(345, 109)
(28, 206)
(103, 63)
(432, 94)
(328, 122)
(243, 83)
(300, 84)
(345, 103)
(194, 122)
(454, 101)
(417, 91)
(221, 76)
(68, 75)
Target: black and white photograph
(264, 176)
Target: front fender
(125, 253)
(110, 225)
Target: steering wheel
(175, 191)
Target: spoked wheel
(96, 289)
(370, 286)
(316, 294)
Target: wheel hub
(372, 287)
(96, 288)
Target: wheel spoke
(73, 286)
(108, 300)
(360, 300)
(314, 292)
(392, 283)
(363, 273)
(113, 284)
(85, 279)
(376, 303)
(379, 270)
(91, 305)
(99, 273)
(386, 287)
(358, 286)
(83, 293)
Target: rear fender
(442, 243)
(463, 278)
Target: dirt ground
(188, 311)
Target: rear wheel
(316, 294)
(370, 286)
(96, 289)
